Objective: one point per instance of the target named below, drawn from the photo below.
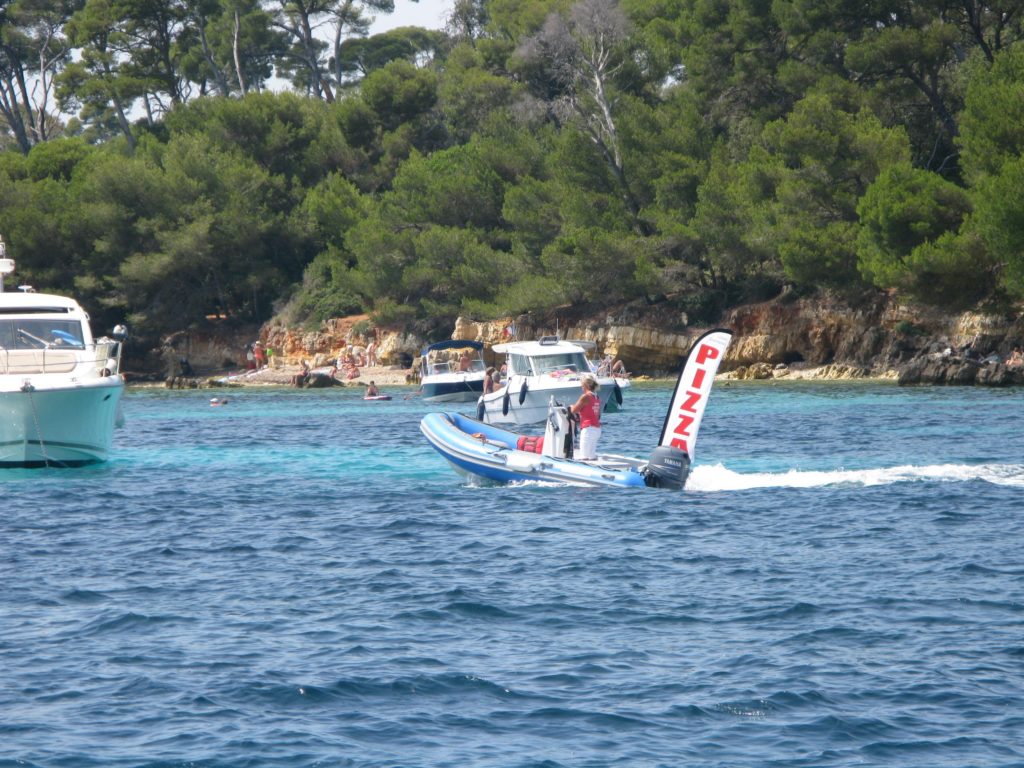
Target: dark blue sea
(296, 579)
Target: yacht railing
(102, 359)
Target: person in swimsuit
(489, 381)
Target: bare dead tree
(580, 56)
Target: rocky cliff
(774, 338)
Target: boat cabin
(42, 333)
(547, 357)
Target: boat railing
(105, 359)
(108, 356)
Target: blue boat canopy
(452, 344)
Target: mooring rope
(35, 418)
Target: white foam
(710, 478)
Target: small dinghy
(488, 451)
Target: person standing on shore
(588, 408)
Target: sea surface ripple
(296, 579)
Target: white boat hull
(504, 406)
(452, 387)
(59, 425)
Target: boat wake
(715, 477)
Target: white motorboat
(492, 453)
(60, 389)
(452, 371)
(538, 371)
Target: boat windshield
(447, 361)
(40, 334)
(561, 364)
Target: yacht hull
(60, 425)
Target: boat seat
(530, 444)
(17, 362)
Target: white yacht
(60, 389)
(538, 371)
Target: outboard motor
(668, 468)
(558, 432)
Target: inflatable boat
(475, 448)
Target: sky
(426, 13)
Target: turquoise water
(296, 579)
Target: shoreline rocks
(823, 338)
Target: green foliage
(954, 271)
(516, 19)
(529, 292)
(999, 220)
(908, 221)
(702, 150)
(907, 328)
(360, 56)
(399, 93)
(288, 136)
(362, 328)
(531, 210)
(329, 210)
(13, 165)
(668, 149)
(592, 265)
(824, 158)
(992, 127)
(34, 223)
(470, 94)
(326, 292)
(358, 123)
(393, 313)
(733, 217)
(452, 188)
(56, 159)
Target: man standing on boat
(588, 409)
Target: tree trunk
(11, 110)
(218, 76)
(235, 49)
